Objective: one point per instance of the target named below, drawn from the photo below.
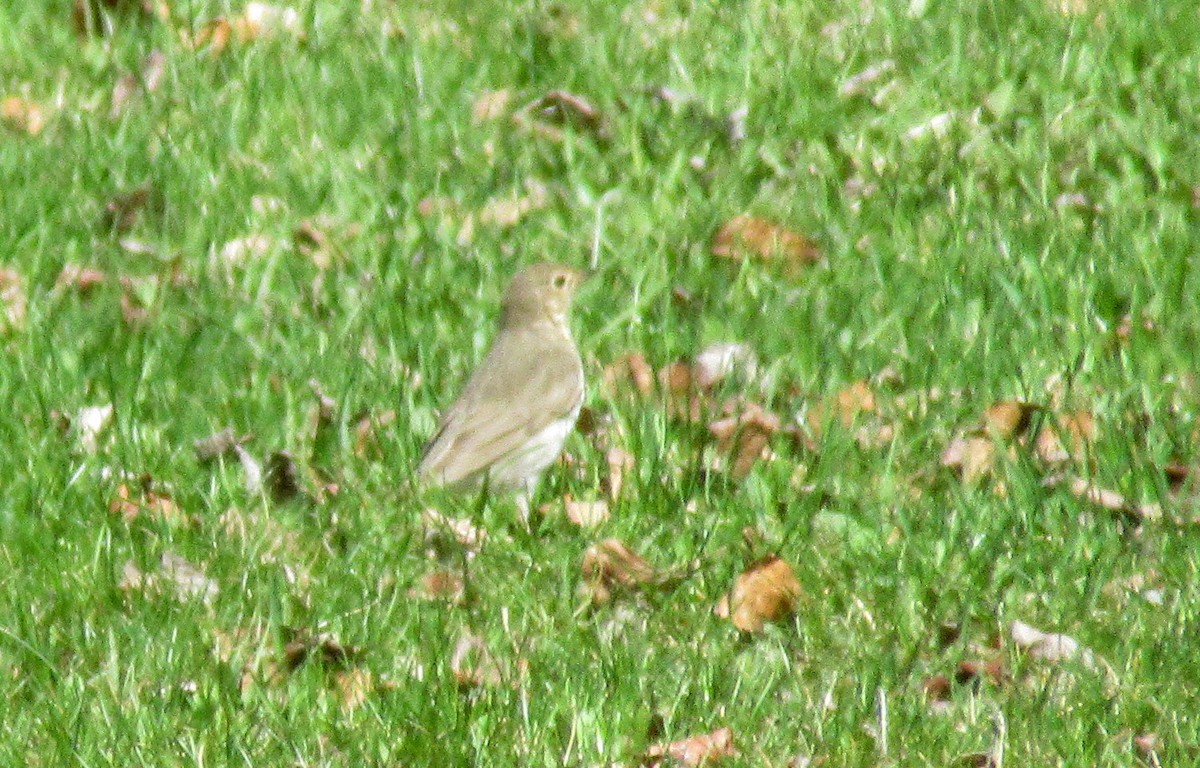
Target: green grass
(959, 272)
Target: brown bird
(511, 419)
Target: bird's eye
(560, 281)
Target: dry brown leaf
(1110, 500)
(123, 211)
(213, 35)
(1009, 418)
(217, 444)
(586, 514)
(462, 530)
(22, 115)
(620, 463)
(767, 591)
(490, 105)
(259, 20)
(609, 565)
(95, 16)
(972, 672)
(366, 427)
(745, 436)
(352, 686)
(1078, 428)
(129, 85)
(150, 504)
(546, 115)
(283, 477)
(12, 301)
(440, 584)
(694, 751)
(187, 581)
(324, 649)
(970, 457)
(746, 235)
(473, 664)
(81, 279)
(237, 252)
(505, 212)
(629, 369)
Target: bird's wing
(512, 396)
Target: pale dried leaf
(717, 361)
(81, 279)
(694, 751)
(188, 580)
(629, 369)
(89, 424)
(12, 301)
(937, 126)
(473, 664)
(586, 514)
(857, 84)
(252, 471)
(237, 252)
(353, 686)
(620, 463)
(461, 529)
(440, 584)
(22, 115)
(217, 444)
(491, 105)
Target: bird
(513, 415)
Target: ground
(217, 214)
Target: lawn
(973, 231)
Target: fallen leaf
(188, 580)
(129, 85)
(767, 591)
(937, 126)
(12, 301)
(1109, 500)
(237, 252)
(586, 514)
(352, 686)
(1055, 647)
(490, 105)
(366, 427)
(746, 235)
(473, 664)
(213, 35)
(694, 751)
(152, 504)
(440, 584)
(610, 564)
(857, 84)
(970, 457)
(717, 361)
(629, 369)
(745, 436)
(462, 530)
(217, 444)
(260, 20)
(547, 114)
(252, 471)
(88, 425)
(1079, 430)
(506, 212)
(22, 115)
(972, 672)
(1009, 418)
(80, 279)
(620, 463)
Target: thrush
(517, 408)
